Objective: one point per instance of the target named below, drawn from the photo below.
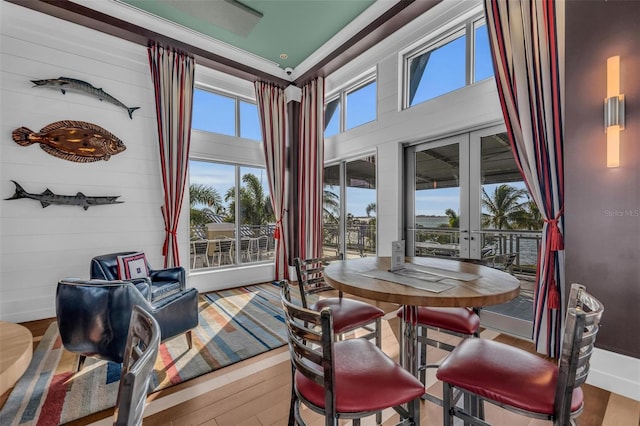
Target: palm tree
(200, 194)
(256, 206)
(330, 216)
(454, 219)
(371, 207)
(529, 216)
(503, 207)
(330, 206)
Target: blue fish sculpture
(72, 84)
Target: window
(227, 115)
(349, 216)
(332, 118)
(448, 63)
(437, 71)
(360, 107)
(231, 208)
(482, 62)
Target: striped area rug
(234, 325)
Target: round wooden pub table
(16, 349)
(454, 283)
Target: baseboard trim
(616, 373)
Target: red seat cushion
(348, 314)
(459, 320)
(504, 374)
(366, 379)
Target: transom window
(360, 107)
(455, 60)
(227, 115)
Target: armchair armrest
(144, 286)
(171, 274)
(176, 313)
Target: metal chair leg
(189, 336)
(447, 400)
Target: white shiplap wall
(41, 245)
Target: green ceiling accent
(294, 27)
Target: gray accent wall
(602, 206)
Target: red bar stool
(460, 322)
(345, 379)
(348, 314)
(521, 381)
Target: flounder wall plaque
(77, 141)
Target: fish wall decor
(77, 141)
(47, 198)
(74, 85)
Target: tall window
(231, 210)
(460, 58)
(360, 107)
(350, 197)
(227, 115)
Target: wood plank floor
(256, 392)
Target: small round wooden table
(16, 349)
(468, 285)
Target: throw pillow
(132, 266)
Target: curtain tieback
(556, 241)
(276, 233)
(553, 296)
(165, 246)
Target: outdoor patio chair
(521, 381)
(143, 343)
(346, 379)
(200, 249)
(503, 262)
(348, 314)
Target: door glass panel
(361, 207)
(511, 224)
(331, 211)
(437, 201)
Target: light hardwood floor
(256, 392)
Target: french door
(465, 199)
(440, 195)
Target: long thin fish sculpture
(74, 85)
(47, 198)
(77, 141)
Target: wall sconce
(613, 112)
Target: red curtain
(311, 170)
(272, 109)
(527, 43)
(172, 73)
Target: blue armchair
(93, 316)
(162, 282)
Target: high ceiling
(246, 38)
(285, 32)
